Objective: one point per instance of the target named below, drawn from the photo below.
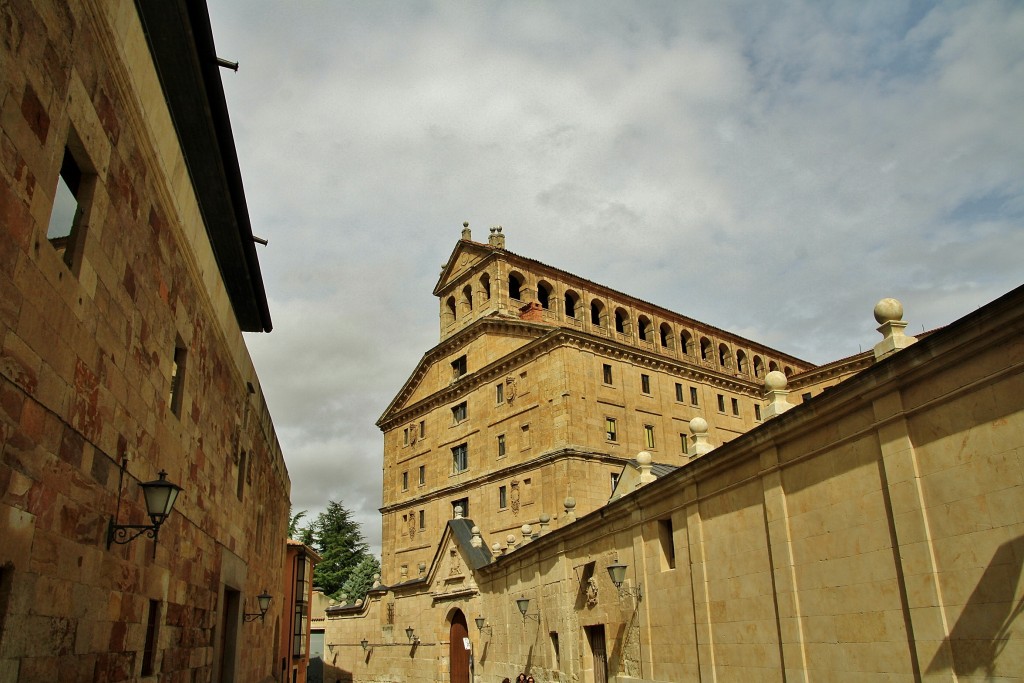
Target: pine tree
(360, 580)
(339, 541)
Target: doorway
(458, 650)
(595, 637)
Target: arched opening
(597, 316)
(458, 655)
(515, 285)
(667, 338)
(758, 367)
(787, 371)
(485, 286)
(449, 310)
(686, 342)
(544, 294)
(705, 350)
(724, 357)
(572, 300)
(621, 321)
(467, 297)
(773, 366)
(645, 328)
(741, 361)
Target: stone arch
(686, 343)
(622, 322)
(724, 356)
(758, 366)
(773, 366)
(598, 313)
(741, 361)
(706, 354)
(572, 302)
(544, 291)
(668, 339)
(485, 286)
(787, 371)
(467, 298)
(645, 328)
(515, 285)
(449, 313)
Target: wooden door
(595, 634)
(458, 655)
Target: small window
(571, 300)
(423, 428)
(461, 503)
(240, 485)
(679, 392)
(423, 475)
(597, 313)
(649, 435)
(460, 458)
(684, 443)
(502, 497)
(459, 413)
(609, 428)
(423, 519)
(645, 383)
(149, 651)
(544, 294)
(735, 406)
(178, 376)
(757, 411)
(667, 543)
(485, 286)
(614, 481)
(607, 373)
(459, 367)
(405, 480)
(67, 223)
(501, 445)
(721, 403)
(499, 392)
(515, 286)
(524, 437)
(405, 436)
(450, 308)
(556, 655)
(693, 396)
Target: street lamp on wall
(160, 496)
(411, 635)
(263, 600)
(481, 625)
(617, 573)
(523, 604)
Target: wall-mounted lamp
(263, 600)
(411, 635)
(160, 495)
(617, 573)
(481, 625)
(365, 644)
(524, 604)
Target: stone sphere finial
(526, 529)
(775, 381)
(510, 539)
(698, 425)
(465, 224)
(569, 503)
(496, 547)
(545, 518)
(888, 310)
(644, 458)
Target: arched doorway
(458, 655)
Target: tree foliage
(293, 523)
(339, 541)
(360, 579)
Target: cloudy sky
(770, 168)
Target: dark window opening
(679, 392)
(460, 458)
(570, 304)
(149, 650)
(693, 396)
(735, 406)
(609, 428)
(544, 294)
(178, 377)
(515, 286)
(462, 503)
(667, 542)
(645, 383)
(459, 367)
(607, 369)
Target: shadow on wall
(333, 674)
(983, 629)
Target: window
(693, 396)
(501, 445)
(240, 485)
(649, 435)
(615, 481)
(705, 349)
(679, 392)
(645, 383)
(721, 403)
(667, 338)
(178, 376)
(757, 411)
(405, 437)
(467, 297)
(450, 309)
(597, 313)
(668, 545)
(735, 406)
(485, 286)
(645, 328)
(684, 443)
(502, 497)
(607, 373)
(544, 294)
(423, 519)
(609, 428)
(301, 606)
(524, 437)
(405, 480)
(621, 321)
(461, 503)
(515, 285)
(571, 300)
(149, 651)
(423, 428)
(499, 392)
(68, 221)
(459, 413)
(423, 475)
(460, 459)
(555, 654)
(458, 367)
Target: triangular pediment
(464, 258)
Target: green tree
(293, 523)
(360, 579)
(339, 541)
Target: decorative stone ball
(888, 310)
(698, 425)
(510, 539)
(774, 381)
(526, 529)
(496, 546)
(376, 577)
(569, 503)
(359, 602)
(644, 458)
(475, 531)
(545, 518)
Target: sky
(773, 169)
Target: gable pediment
(463, 259)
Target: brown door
(458, 655)
(595, 634)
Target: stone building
(869, 526)
(127, 276)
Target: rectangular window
(721, 403)
(684, 443)
(459, 413)
(607, 374)
(460, 459)
(693, 396)
(423, 475)
(649, 435)
(499, 392)
(405, 480)
(405, 437)
(501, 445)
(178, 376)
(423, 428)
(668, 544)
(679, 392)
(423, 519)
(527, 491)
(645, 383)
(240, 486)
(609, 428)
(735, 406)
(757, 411)
(458, 367)
(461, 503)
(502, 497)
(615, 481)
(149, 651)
(555, 653)
(524, 437)
(67, 216)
